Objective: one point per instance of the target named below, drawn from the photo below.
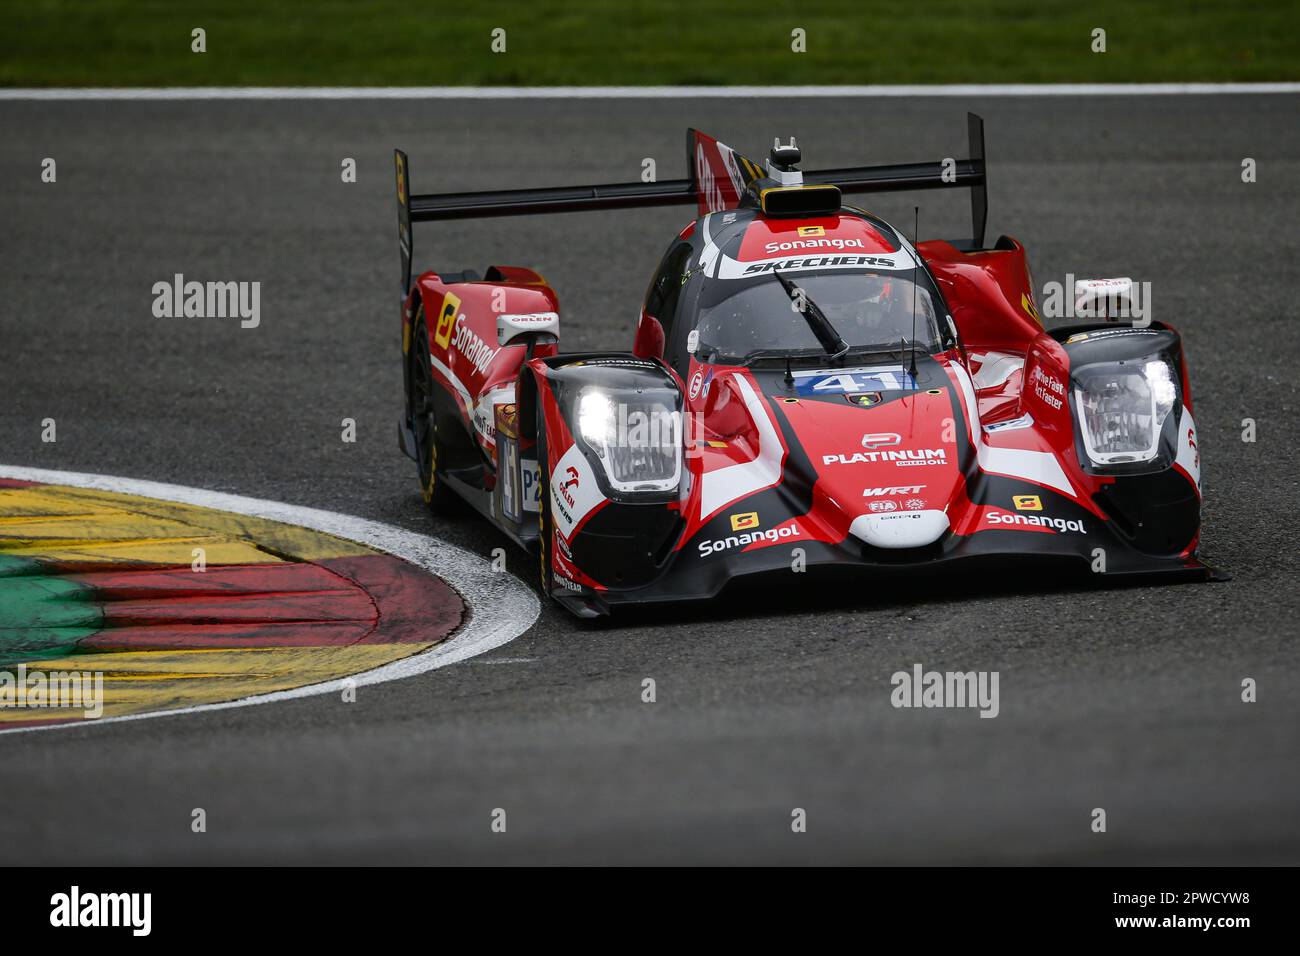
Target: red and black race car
(805, 388)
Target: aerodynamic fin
(720, 176)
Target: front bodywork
(781, 477)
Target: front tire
(545, 525)
(421, 412)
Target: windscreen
(867, 309)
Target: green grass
(408, 43)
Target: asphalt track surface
(1121, 698)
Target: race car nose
(885, 468)
(890, 471)
(900, 529)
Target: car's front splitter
(1101, 554)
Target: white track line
(501, 607)
(632, 92)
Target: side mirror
(649, 341)
(529, 328)
(1110, 299)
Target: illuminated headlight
(1122, 408)
(636, 435)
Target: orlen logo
(880, 439)
(821, 242)
(571, 481)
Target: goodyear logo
(811, 231)
(1027, 502)
(744, 522)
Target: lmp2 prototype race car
(806, 387)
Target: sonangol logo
(472, 348)
(745, 521)
(812, 242)
(746, 538)
(1059, 525)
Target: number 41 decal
(854, 380)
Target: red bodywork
(977, 456)
(459, 320)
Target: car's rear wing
(719, 179)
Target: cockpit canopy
(866, 309)
(744, 285)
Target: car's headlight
(637, 435)
(1122, 407)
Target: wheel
(421, 411)
(545, 525)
